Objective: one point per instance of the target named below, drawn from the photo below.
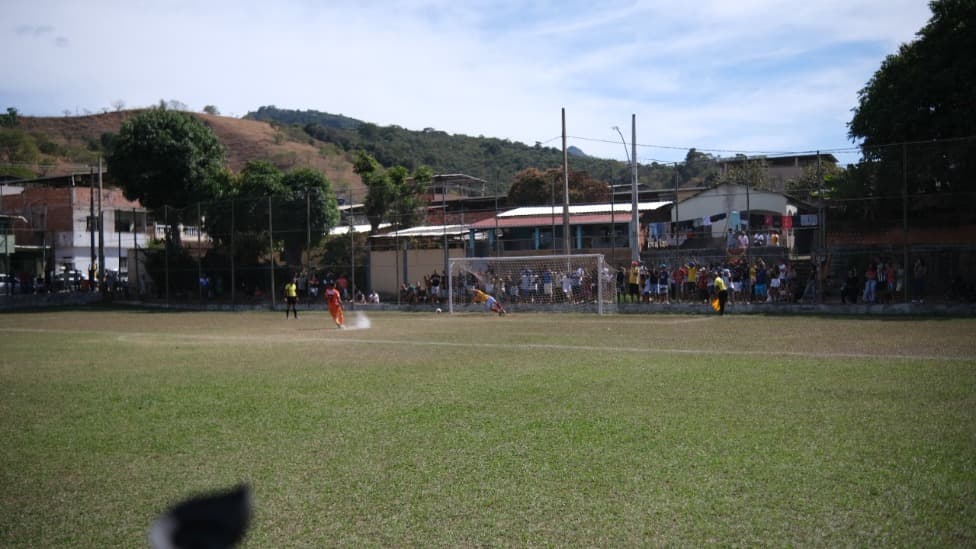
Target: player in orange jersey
(334, 300)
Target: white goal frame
(496, 275)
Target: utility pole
(272, 255)
(566, 241)
(91, 226)
(634, 216)
(101, 232)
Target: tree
(533, 187)
(394, 192)
(167, 158)
(11, 119)
(753, 172)
(924, 93)
(118, 105)
(306, 208)
(379, 190)
(211, 109)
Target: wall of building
(387, 267)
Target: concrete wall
(387, 275)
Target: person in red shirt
(334, 299)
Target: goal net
(580, 282)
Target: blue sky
(751, 76)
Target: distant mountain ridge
(319, 140)
(492, 159)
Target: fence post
(904, 217)
(169, 238)
(271, 258)
(233, 252)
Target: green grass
(471, 430)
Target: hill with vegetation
(50, 146)
(492, 159)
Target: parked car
(9, 284)
(67, 280)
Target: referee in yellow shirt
(291, 297)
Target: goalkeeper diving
(491, 304)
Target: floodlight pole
(632, 160)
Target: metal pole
(566, 241)
(308, 238)
(233, 252)
(634, 218)
(135, 250)
(272, 255)
(821, 221)
(199, 250)
(101, 232)
(91, 226)
(444, 223)
(613, 224)
(169, 238)
(352, 252)
(904, 220)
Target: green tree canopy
(534, 187)
(301, 204)
(166, 158)
(393, 192)
(924, 93)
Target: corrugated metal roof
(344, 229)
(583, 209)
(426, 230)
(545, 220)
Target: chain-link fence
(885, 232)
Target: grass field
(471, 430)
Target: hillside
(494, 160)
(322, 141)
(72, 143)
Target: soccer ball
(438, 310)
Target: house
(779, 169)
(59, 233)
(712, 213)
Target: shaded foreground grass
(529, 430)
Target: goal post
(575, 282)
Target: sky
(726, 77)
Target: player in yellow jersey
(491, 304)
(291, 298)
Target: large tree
(165, 158)
(920, 106)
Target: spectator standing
(870, 283)
(761, 277)
(621, 278)
(849, 291)
(435, 287)
(662, 284)
(918, 281)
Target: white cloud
(754, 74)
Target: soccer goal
(581, 282)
